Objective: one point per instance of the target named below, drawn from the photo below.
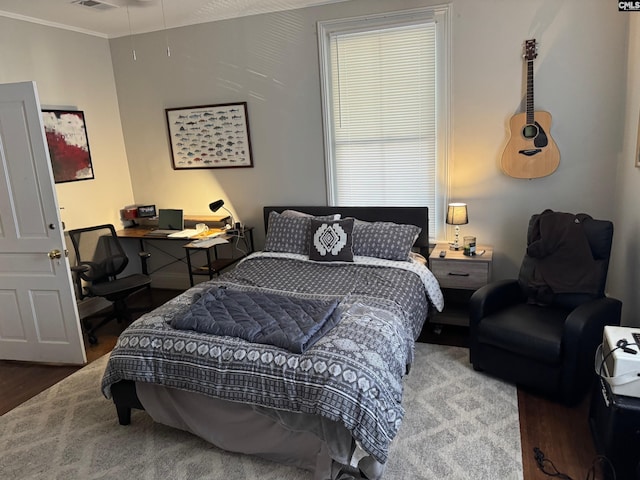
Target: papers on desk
(187, 233)
(212, 232)
(195, 233)
(207, 242)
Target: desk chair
(548, 347)
(100, 258)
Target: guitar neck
(530, 92)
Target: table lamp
(457, 215)
(219, 204)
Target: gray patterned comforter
(352, 375)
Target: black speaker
(615, 426)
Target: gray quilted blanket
(292, 323)
(352, 375)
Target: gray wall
(625, 265)
(586, 76)
(271, 61)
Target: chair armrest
(77, 271)
(582, 334)
(487, 300)
(493, 297)
(80, 268)
(589, 319)
(144, 256)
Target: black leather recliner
(541, 331)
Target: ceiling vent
(95, 4)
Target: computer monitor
(170, 219)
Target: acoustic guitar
(530, 152)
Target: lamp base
(455, 245)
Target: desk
(216, 264)
(140, 233)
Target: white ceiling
(116, 18)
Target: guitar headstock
(530, 50)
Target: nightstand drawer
(465, 275)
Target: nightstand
(459, 276)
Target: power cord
(621, 344)
(547, 467)
(240, 235)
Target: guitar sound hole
(530, 131)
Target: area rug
(459, 424)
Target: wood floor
(19, 381)
(562, 433)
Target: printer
(618, 360)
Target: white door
(38, 315)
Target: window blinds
(384, 113)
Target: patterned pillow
(388, 240)
(289, 234)
(296, 213)
(331, 241)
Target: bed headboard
(418, 216)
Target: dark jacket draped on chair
(559, 258)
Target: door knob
(55, 254)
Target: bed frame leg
(125, 398)
(124, 414)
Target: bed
(321, 391)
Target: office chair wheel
(92, 339)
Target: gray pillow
(296, 213)
(289, 234)
(331, 241)
(388, 240)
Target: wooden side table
(459, 276)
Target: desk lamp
(457, 215)
(219, 204)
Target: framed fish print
(68, 144)
(210, 136)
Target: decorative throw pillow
(388, 240)
(331, 241)
(289, 234)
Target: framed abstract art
(68, 144)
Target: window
(385, 104)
